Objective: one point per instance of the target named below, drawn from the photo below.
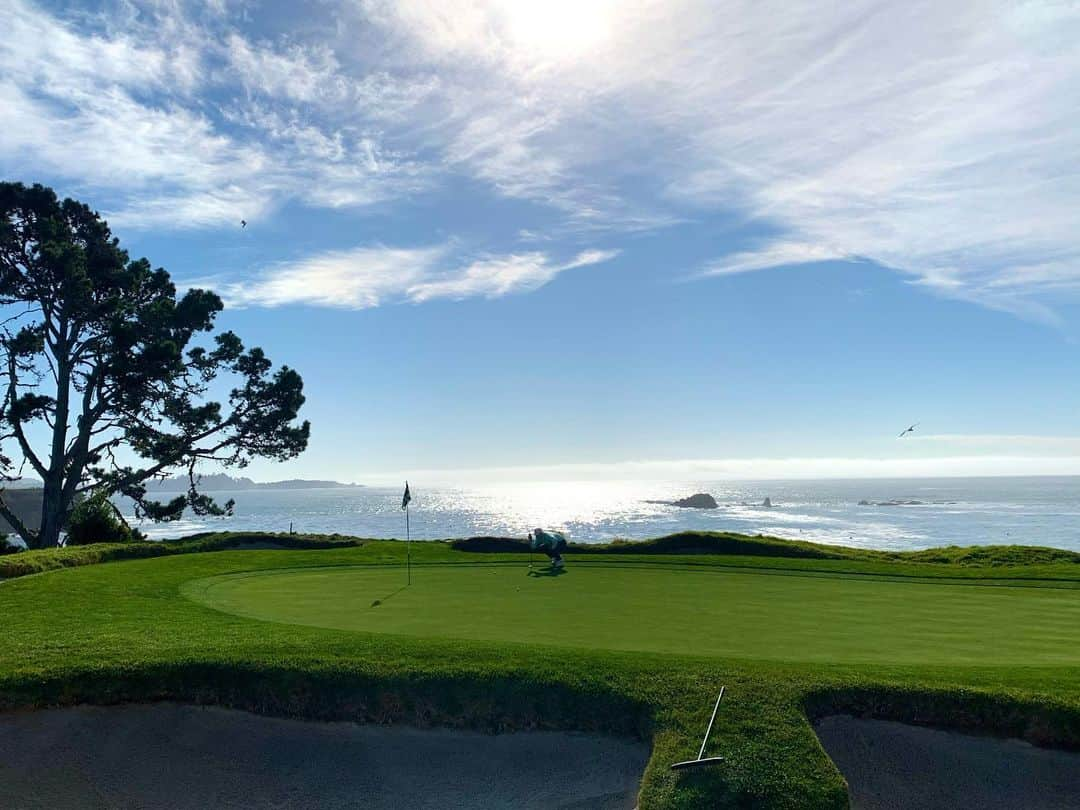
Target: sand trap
(893, 765)
(167, 755)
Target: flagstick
(408, 546)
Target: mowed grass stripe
(688, 612)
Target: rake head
(694, 763)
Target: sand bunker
(168, 755)
(892, 765)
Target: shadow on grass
(378, 602)
(546, 572)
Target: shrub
(94, 520)
(9, 545)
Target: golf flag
(408, 537)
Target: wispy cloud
(175, 125)
(366, 277)
(775, 255)
(936, 139)
(998, 442)
(932, 138)
(502, 275)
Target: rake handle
(712, 720)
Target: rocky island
(700, 500)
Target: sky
(598, 238)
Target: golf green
(674, 609)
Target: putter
(701, 758)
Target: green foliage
(102, 353)
(731, 543)
(94, 520)
(986, 562)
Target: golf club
(692, 763)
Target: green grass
(37, 561)
(627, 643)
(674, 609)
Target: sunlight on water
(1032, 511)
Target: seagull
(909, 430)
(243, 223)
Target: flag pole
(408, 535)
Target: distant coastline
(227, 483)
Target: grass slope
(629, 644)
(38, 561)
(732, 543)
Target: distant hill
(227, 483)
(25, 502)
(22, 483)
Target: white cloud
(502, 275)
(300, 74)
(933, 138)
(776, 255)
(345, 279)
(130, 112)
(369, 276)
(1019, 444)
(36, 49)
(937, 139)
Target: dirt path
(172, 756)
(893, 766)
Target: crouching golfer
(551, 543)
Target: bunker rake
(701, 758)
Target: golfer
(551, 543)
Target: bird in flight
(243, 223)
(908, 430)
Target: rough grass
(37, 561)
(682, 543)
(698, 543)
(123, 631)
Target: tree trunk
(52, 516)
(53, 507)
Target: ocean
(894, 514)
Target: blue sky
(592, 238)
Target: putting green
(672, 609)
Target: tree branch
(16, 523)
(16, 425)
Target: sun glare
(557, 29)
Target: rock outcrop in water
(700, 500)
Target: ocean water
(949, 511)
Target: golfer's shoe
(557, 564)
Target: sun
(557, 30)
